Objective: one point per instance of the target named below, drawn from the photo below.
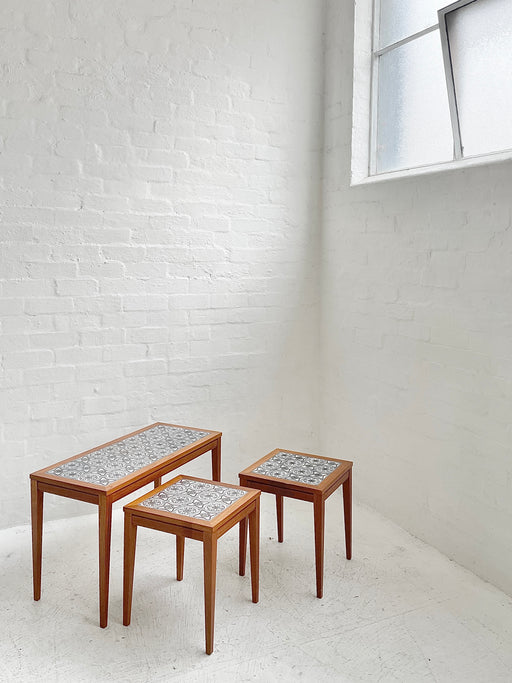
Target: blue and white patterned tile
(305, 469)
(191, 498)
(108, 464)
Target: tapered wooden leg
(279, 510)
(319, 514)
(180, 556)
(105, 527)
(347, 510)
(210, 573)
(242, 546)
(158, 482)
(254, 540)
(37, 536)
(130, 540)
(216, 461)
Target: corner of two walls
(159, 193)
(160, 246)
(417, 338)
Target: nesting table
(111, 471)
(203, 510)
(307, 477)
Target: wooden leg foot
(347, 509)
(279, 511)
(319, 514)
(180, 556)
(254, 540)
(210, 575)
(37, 536)
(105, 528)
(242, 546)
(216, 461)
(130, 539)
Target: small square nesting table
(203, 510)
(111, 471)
(306, 477)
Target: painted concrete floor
(398, 611)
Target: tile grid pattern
(106, 465)
(305, 469)
(191, 498)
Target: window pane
(413, 118)
(480, 36)
(402, 18)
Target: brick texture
(159, 186)
(417, 338)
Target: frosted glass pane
(413, 117)
(480, 36)
(402, 18)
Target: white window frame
(376, 55)
(448, 70)
(365, 84)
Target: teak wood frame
(104, 496)
(246, 508)
(315, 493)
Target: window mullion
(372, 157)
(450, 85)
(404, 41)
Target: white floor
(398, 611)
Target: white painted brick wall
(159, 228)
(417, 338)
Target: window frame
(374, 97)
(365, 88)
(458, 151)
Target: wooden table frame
(245, 509)
(104, 496)
(315, 493)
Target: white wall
(417, 338)
(159, 183)
(159, 194)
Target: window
(477, 42)
(441, 87)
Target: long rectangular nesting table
(111, 471)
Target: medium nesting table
(199, 509)
(306, 477)
(109, 472)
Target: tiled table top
(108, 464)
(192, 498)
(304, 469)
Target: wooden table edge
(135, 507)
(248, 475)
(211, 435)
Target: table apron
(277, 489)
(68, 492)
(231, 521)
(335, 485)
(168, 527)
